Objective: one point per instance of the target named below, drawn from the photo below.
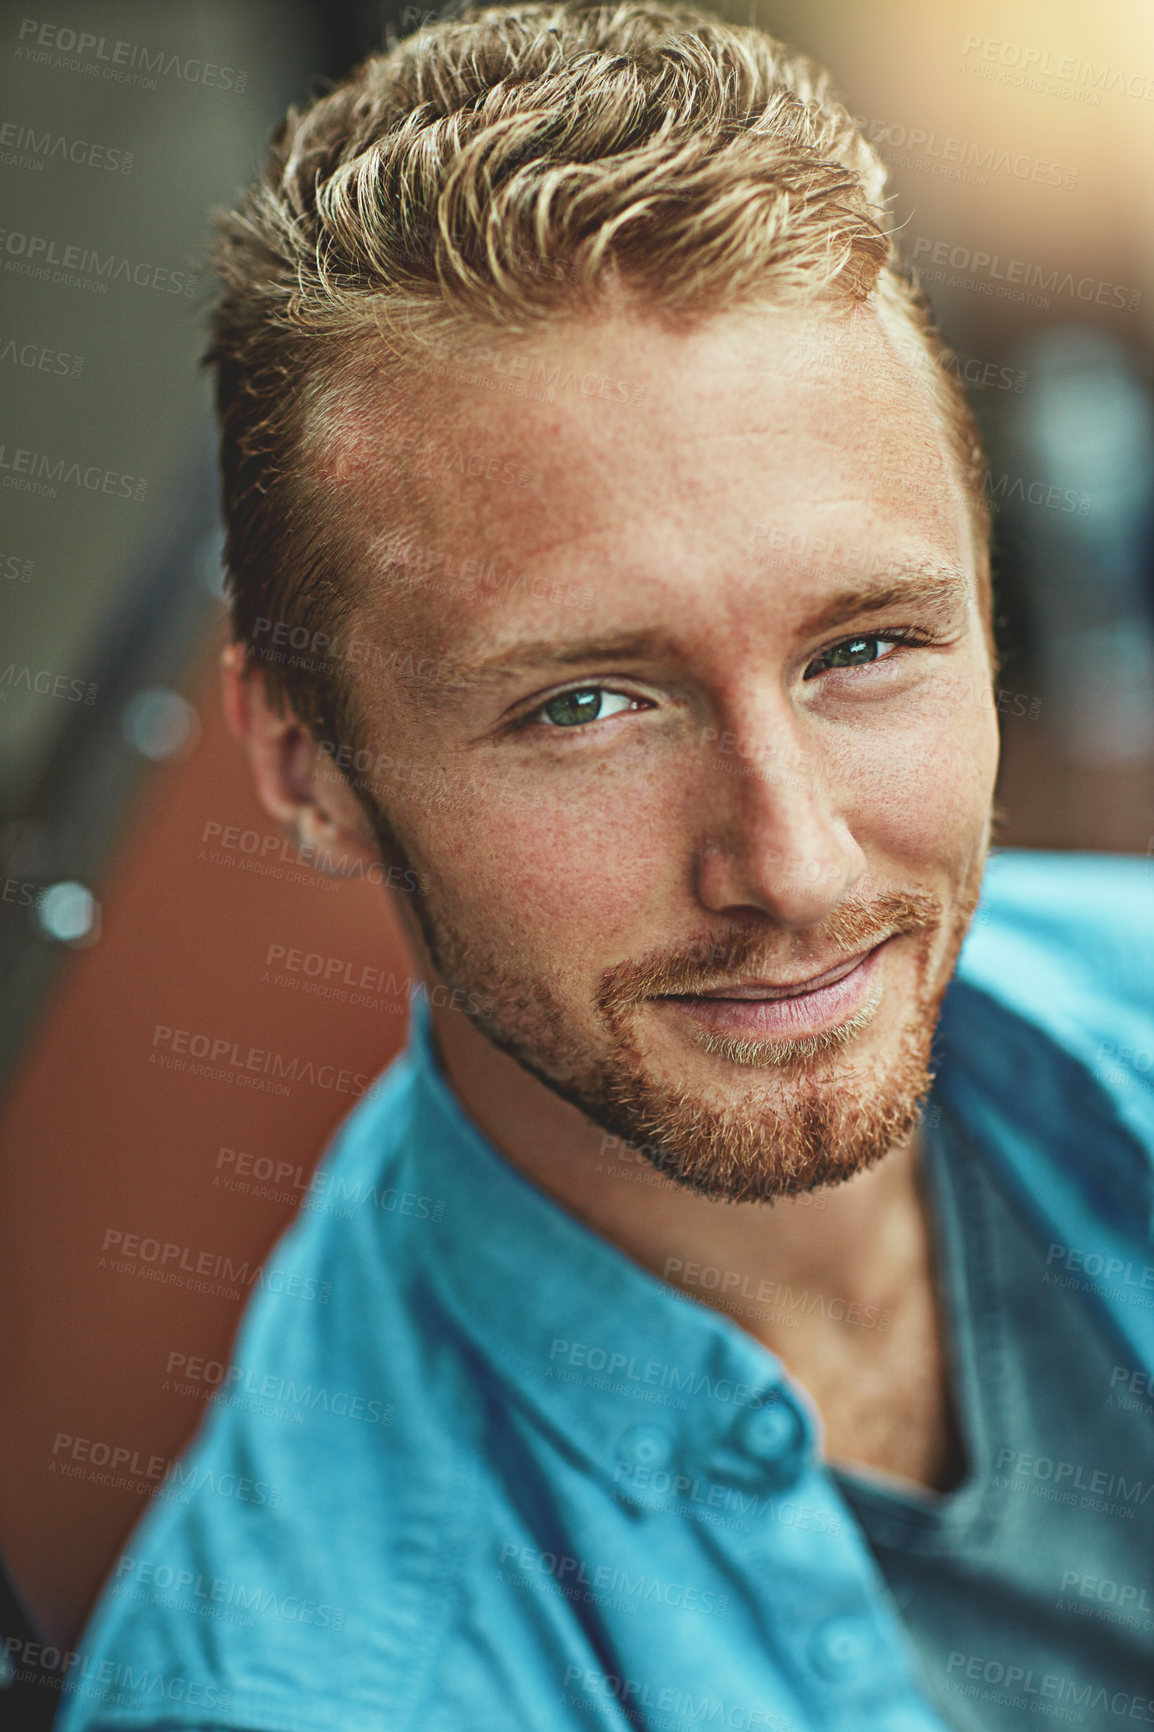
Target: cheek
(573, 869)
(920, 791)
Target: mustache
(704, 965)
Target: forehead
(647, 467)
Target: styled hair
(490, 172)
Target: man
(609, 554)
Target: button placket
(768, 1445)
(842, 1647)
(649, 1446)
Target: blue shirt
(475, 1471)
(1026, 1587)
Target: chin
(763, 1121)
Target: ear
(298, 783)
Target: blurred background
(144, 891)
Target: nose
(774, 841)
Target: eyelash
(912, 636)
(901, 635)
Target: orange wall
(98, 1138)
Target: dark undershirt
(1028, 1589)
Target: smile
(784, 1010)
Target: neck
(838, 1284)
(858, 1245)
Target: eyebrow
(616, 646)
(939, 590)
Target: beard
(806, 1112)
(783, 1117)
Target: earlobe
(234, 688)
(330, 818)
(297, 783)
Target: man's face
(694, 745)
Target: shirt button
(646, 1446)
(841, 1647)
(775, 1436)
(773, 1429)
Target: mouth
(784, 1010)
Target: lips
(769, 990)
(784, 1011)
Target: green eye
(591, 704)
(852, 653)
(572, 707)
(855, 652)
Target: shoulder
(299, 1537)
(1067, 941)
(1090, 895)
(1050, 1017)
(363, 1198)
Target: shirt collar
(1018, 1085)
(620, 1365)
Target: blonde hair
(495, 171)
